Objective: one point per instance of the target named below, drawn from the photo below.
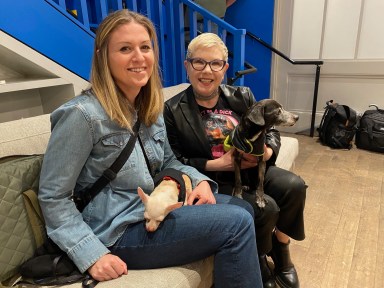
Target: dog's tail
(188, 187)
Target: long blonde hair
(149, 103)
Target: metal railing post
(314, 104)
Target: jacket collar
(190, 109)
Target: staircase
(46, 47)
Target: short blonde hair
(149, 103)
(207, 40)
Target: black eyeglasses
(200, 64)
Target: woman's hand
(249, 161)
(202, 194)
(108, 267)
(223, 163)
(226, 162)
(268, 152)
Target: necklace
(206, 98)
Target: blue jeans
(192, 233)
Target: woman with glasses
(199, 119)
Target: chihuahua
(163, 200)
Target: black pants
(285, 195)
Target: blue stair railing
(168, 16)
(88, 14)
(233, 37)
(73, 23)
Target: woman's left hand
(249, 160)
(202, 194)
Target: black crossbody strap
(111, 172)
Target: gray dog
(249, 137)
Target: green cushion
(17, 241)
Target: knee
(268, 214)
(297, 187)
(243, 204)
(240, 217)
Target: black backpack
(338, 126)
(370, 134)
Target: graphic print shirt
(219, 121)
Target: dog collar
(175, 175)
(168, 178)
(243, 144)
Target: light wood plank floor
(344, 217)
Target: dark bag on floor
(370, 134)
(50, 266)
(338, 126)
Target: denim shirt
(84, 142)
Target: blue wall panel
(45, 29)
(257, 17)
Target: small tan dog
(162, 201)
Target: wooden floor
(344, 217)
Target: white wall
(348, 35)
(31, 83)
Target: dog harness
(255, 148)
(175, 175)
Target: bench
(30, 136)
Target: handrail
(300, 62)
(238, 74)
(224, 28)
(304, 62)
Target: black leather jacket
(186, 133)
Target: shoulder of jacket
(86, 104)
(239, 97)
(174, 100)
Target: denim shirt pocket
(159, 136)
(157, 143)
(113, 145)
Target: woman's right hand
(223, 163)
(108, 267)
(226, 162)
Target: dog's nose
(296, 117)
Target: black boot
(266, 274)
(285, 272)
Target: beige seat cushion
(25, 136)
(288, 153)
(198, 274)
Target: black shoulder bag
(82, 198)
(50, 265)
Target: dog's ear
(143, 196)
(256, 115)
(174, 206)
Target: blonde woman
(88, 134)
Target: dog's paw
(238, 195)
(260, 201)
(237, 192)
